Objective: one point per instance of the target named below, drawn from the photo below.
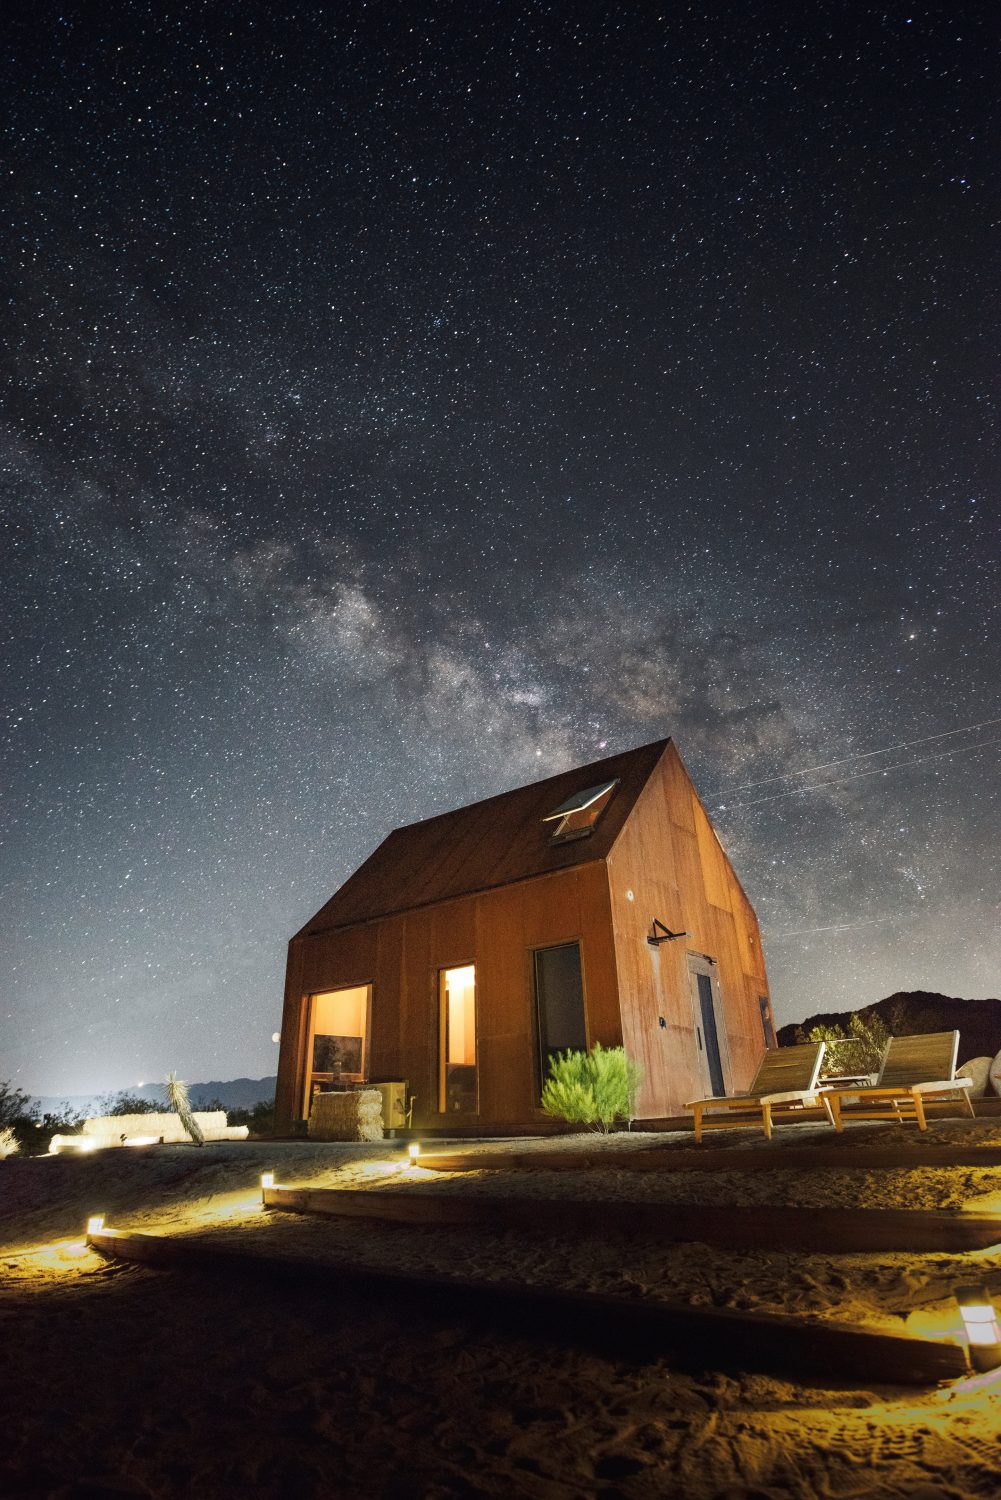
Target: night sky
(404, 402)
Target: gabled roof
(487, 844)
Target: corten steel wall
(401, 956)
(669, 857)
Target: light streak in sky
(827, 765)
(802, 791)
(840, 926)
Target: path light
(95, 1224)
(414, 1151)
(981, 1323)
(267, 1181)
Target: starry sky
(402, 402)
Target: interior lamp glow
(981, 1324)
(95, 1224)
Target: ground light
(95, 1224)
(267, 1181)
(981, 1324)
(414, 1151)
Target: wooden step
(637, 1329)
(774, 1157)
(760, 1227)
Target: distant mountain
(234, 1093)
(916, 1012)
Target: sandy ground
(125, 1380)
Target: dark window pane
(709, 1032)
(767, 1024)
(559, 994)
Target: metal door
(706, 1029)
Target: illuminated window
(577, 817)
(337, 1047)
(458, 1084)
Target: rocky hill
(231, 1093)
(918, 1011)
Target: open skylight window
(577, 816)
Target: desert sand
(120, 1379)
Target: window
(337, 1052)
(577, 817)
(458, 1084)
(559, 1003)
(767, 1021)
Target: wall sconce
(95, 1224)
(661, 934)
(981, 1323)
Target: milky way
(401, 403)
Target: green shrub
(593, 1088)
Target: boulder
(995, 1074)
(978, 1068)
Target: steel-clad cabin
(594, 906)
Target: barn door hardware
(664, 935)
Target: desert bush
(858, 1050)
(260, 1120)
(9, 1143)
(593, 1088)
(125, 1103)
(34, 1132)
(15, 1104)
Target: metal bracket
(664, 936)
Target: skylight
(576, 817)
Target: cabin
(594, 906)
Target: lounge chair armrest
(944, 1083)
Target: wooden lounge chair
(915, 1069)
(784, 1085)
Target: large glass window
(337, 1054)
(458, 1084)
(559, 1003)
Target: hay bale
(979, 1069)
(111, 1130)
(351, 1116)
(995, 1074)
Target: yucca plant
(177, 1098)
(593, 1088)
